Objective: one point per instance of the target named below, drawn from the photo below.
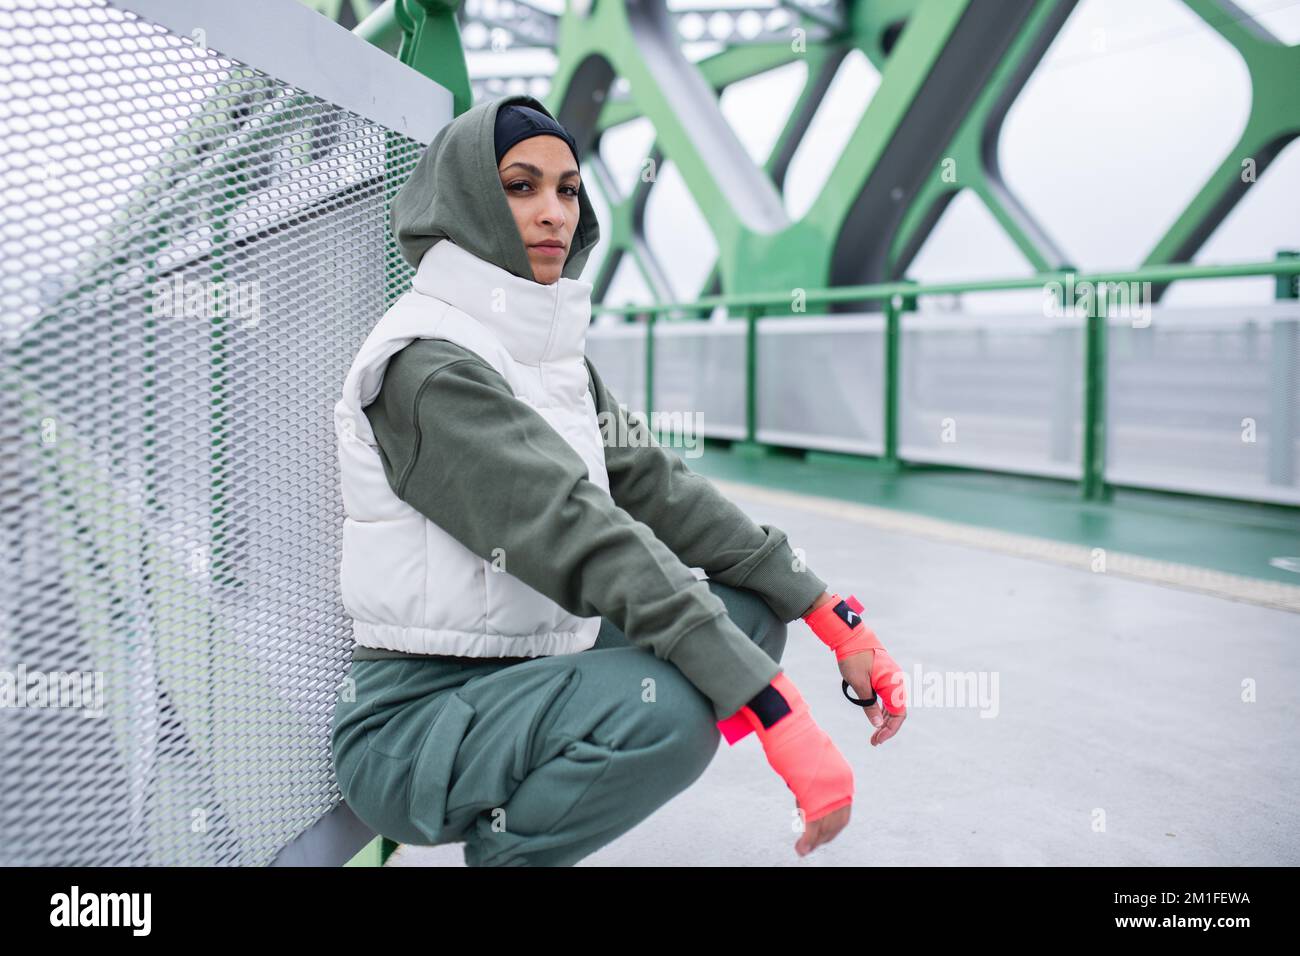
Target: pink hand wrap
(797, 749)
(838, 624)
(735, 727)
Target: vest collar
(536, 323)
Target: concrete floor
(1119, 737)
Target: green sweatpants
(532, 763)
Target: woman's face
(541, 181)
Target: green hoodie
(454, 440)
(455, 193)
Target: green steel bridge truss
(949, 73)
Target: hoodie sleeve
(459, 447)
(701, 526)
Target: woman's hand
(857, 670)
(863, 661)
(822, 830)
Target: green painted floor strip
(1233, 537)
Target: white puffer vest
(409, 585)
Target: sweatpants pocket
(429, 779)
(376, 793)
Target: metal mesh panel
(821, 383)
(617, 350)
(1207, 400)
(700, 369)
(1001, 392)
(191, 253)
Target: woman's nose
(554, 213)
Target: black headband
(515, 123)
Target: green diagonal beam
(797, 254)
(1274, 120)
(971, 150)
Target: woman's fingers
(822, 830)
(891, 726)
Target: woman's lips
(549, 250)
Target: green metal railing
(901, 296)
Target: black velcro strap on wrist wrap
(769, 706)
(850, 617)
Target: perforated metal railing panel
(191, 252)
(1205, 401)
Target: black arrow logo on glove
(847, 614)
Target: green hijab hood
(455, 193)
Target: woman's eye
(567, 190)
